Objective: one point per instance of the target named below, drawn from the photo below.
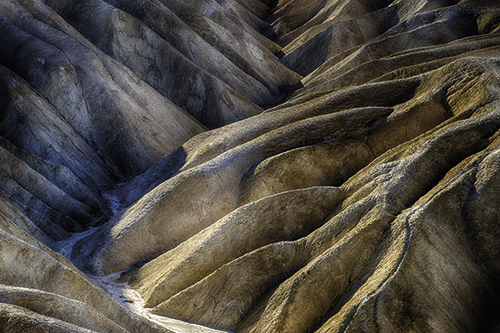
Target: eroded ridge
(249, 166)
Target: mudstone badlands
(250, 166)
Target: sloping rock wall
(251, 166)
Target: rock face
(250, 165)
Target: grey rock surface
(250, 166)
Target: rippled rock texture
(251, 165)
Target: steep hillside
(250, 166)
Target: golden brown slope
(364, 200)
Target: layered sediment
(250, 166)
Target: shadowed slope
(210, 79)
(364, 200)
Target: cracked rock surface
(250, 165)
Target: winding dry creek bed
(122, 292)
(366, 198)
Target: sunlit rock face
(250, 165)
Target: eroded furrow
(251, 166)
